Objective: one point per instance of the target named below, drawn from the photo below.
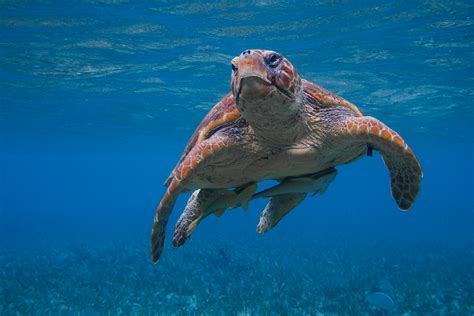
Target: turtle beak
(249, 68)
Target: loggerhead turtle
(275, 125)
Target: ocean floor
(257, 277)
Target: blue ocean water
(98, 99)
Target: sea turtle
(275, 125)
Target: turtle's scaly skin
(276, 125)
(222, 113)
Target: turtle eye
(273, 60)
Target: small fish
(232, 199)
(316, 183)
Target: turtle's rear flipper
(405, 171)
(207, 201)
(277, 207)
(289, 194)
(194, 212)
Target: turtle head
(265, 85)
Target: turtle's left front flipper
(405, 171)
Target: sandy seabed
(237, 279)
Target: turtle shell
(221, 114)
(225, 112)
(320, 97)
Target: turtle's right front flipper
(181, 177)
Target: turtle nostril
(246, 52)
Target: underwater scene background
(98, 99)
